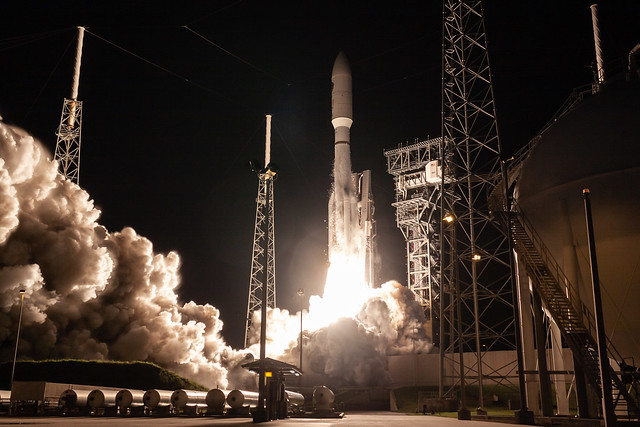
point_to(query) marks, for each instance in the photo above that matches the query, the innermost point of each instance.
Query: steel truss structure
(67, 152)
(417, 202)
(263, 254)
(476, 311)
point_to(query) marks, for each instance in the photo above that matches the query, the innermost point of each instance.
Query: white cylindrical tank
(99, 398)
(127, 398)
(155, 398)
(240, 398)
(182, 398)
(74, 398)
(594, 146)
(216, 398)
(323, 398)
(295, 401)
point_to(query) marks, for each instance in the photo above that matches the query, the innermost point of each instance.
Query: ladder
(574, 318)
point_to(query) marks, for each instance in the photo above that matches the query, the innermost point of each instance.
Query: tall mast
(263, 264)
(476, 299)
(67, 152)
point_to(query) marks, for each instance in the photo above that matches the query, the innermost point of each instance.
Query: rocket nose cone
(341, 65)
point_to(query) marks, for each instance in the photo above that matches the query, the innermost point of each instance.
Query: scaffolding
(417, 176)
(476, 312)
(67, 152)
(263, 261)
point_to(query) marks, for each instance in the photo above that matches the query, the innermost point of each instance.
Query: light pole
(300, 293)
(15, 354)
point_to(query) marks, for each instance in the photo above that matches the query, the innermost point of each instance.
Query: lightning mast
(476, 311)
(67, 152)
(263, 264)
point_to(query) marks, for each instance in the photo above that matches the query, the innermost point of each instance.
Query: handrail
(588, 318)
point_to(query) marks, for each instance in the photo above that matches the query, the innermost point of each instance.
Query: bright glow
(448, 218)
(476, 257)
(344, 291)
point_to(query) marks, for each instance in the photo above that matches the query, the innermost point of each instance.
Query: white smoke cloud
(349, 350)
(96, 294)
(91, 293)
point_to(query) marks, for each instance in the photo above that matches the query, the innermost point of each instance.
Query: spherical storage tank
(596, 146)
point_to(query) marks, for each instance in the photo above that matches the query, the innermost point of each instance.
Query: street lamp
(15, 354)
(300, 293)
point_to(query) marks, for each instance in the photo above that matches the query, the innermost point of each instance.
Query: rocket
(343, 213)
(351, 223)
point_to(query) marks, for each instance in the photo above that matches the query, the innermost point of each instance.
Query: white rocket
(351, 222)
(343, 213)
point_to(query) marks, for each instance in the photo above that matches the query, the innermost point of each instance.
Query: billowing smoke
(350, 350)
(95, 294)
(91, 293)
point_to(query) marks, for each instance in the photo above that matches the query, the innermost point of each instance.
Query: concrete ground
(367, 419)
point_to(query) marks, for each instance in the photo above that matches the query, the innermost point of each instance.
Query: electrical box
(434, 172)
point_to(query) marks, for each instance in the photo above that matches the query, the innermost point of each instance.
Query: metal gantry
(263, 253)
(67, 152)
(69, 132)
(476, 309)
(417, 178)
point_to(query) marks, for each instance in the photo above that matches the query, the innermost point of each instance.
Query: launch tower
(476, 309)
(67, 152)
(418, 179)
(263, 261)
(457, 255)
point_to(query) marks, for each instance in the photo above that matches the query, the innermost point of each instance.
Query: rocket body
(343, 204)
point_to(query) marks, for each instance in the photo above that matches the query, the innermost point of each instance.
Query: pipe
(596, 39)
(605, 368)
(267, 149)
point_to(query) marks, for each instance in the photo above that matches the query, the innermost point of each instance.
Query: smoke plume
(95, 294)
(91, 293)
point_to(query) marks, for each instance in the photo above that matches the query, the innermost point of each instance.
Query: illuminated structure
(350, 211)
(67, 152)
(263, 261)
(457, 254)
(476, 311)
(548, 224)
(418, 183)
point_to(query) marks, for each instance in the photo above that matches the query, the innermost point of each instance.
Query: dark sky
(171, 119)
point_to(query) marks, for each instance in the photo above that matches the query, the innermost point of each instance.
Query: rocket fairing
(343, 213)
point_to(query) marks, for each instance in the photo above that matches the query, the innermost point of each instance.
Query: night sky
(174, 97)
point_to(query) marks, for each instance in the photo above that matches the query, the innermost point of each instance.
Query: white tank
(182, 398)
(99, 398)
(154, 398)
(294, 400)
(127, 398)
(239, 398)
(323, 398)
(594, 146)
(216, 398)
(74, 398)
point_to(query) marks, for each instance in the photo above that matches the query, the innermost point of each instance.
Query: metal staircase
(575, 320)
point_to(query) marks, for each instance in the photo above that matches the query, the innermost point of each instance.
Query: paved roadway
(366, 419)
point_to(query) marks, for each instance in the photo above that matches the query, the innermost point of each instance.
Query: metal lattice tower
(67, 152)
(418, 184)
(263, 254)
(476, 312)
